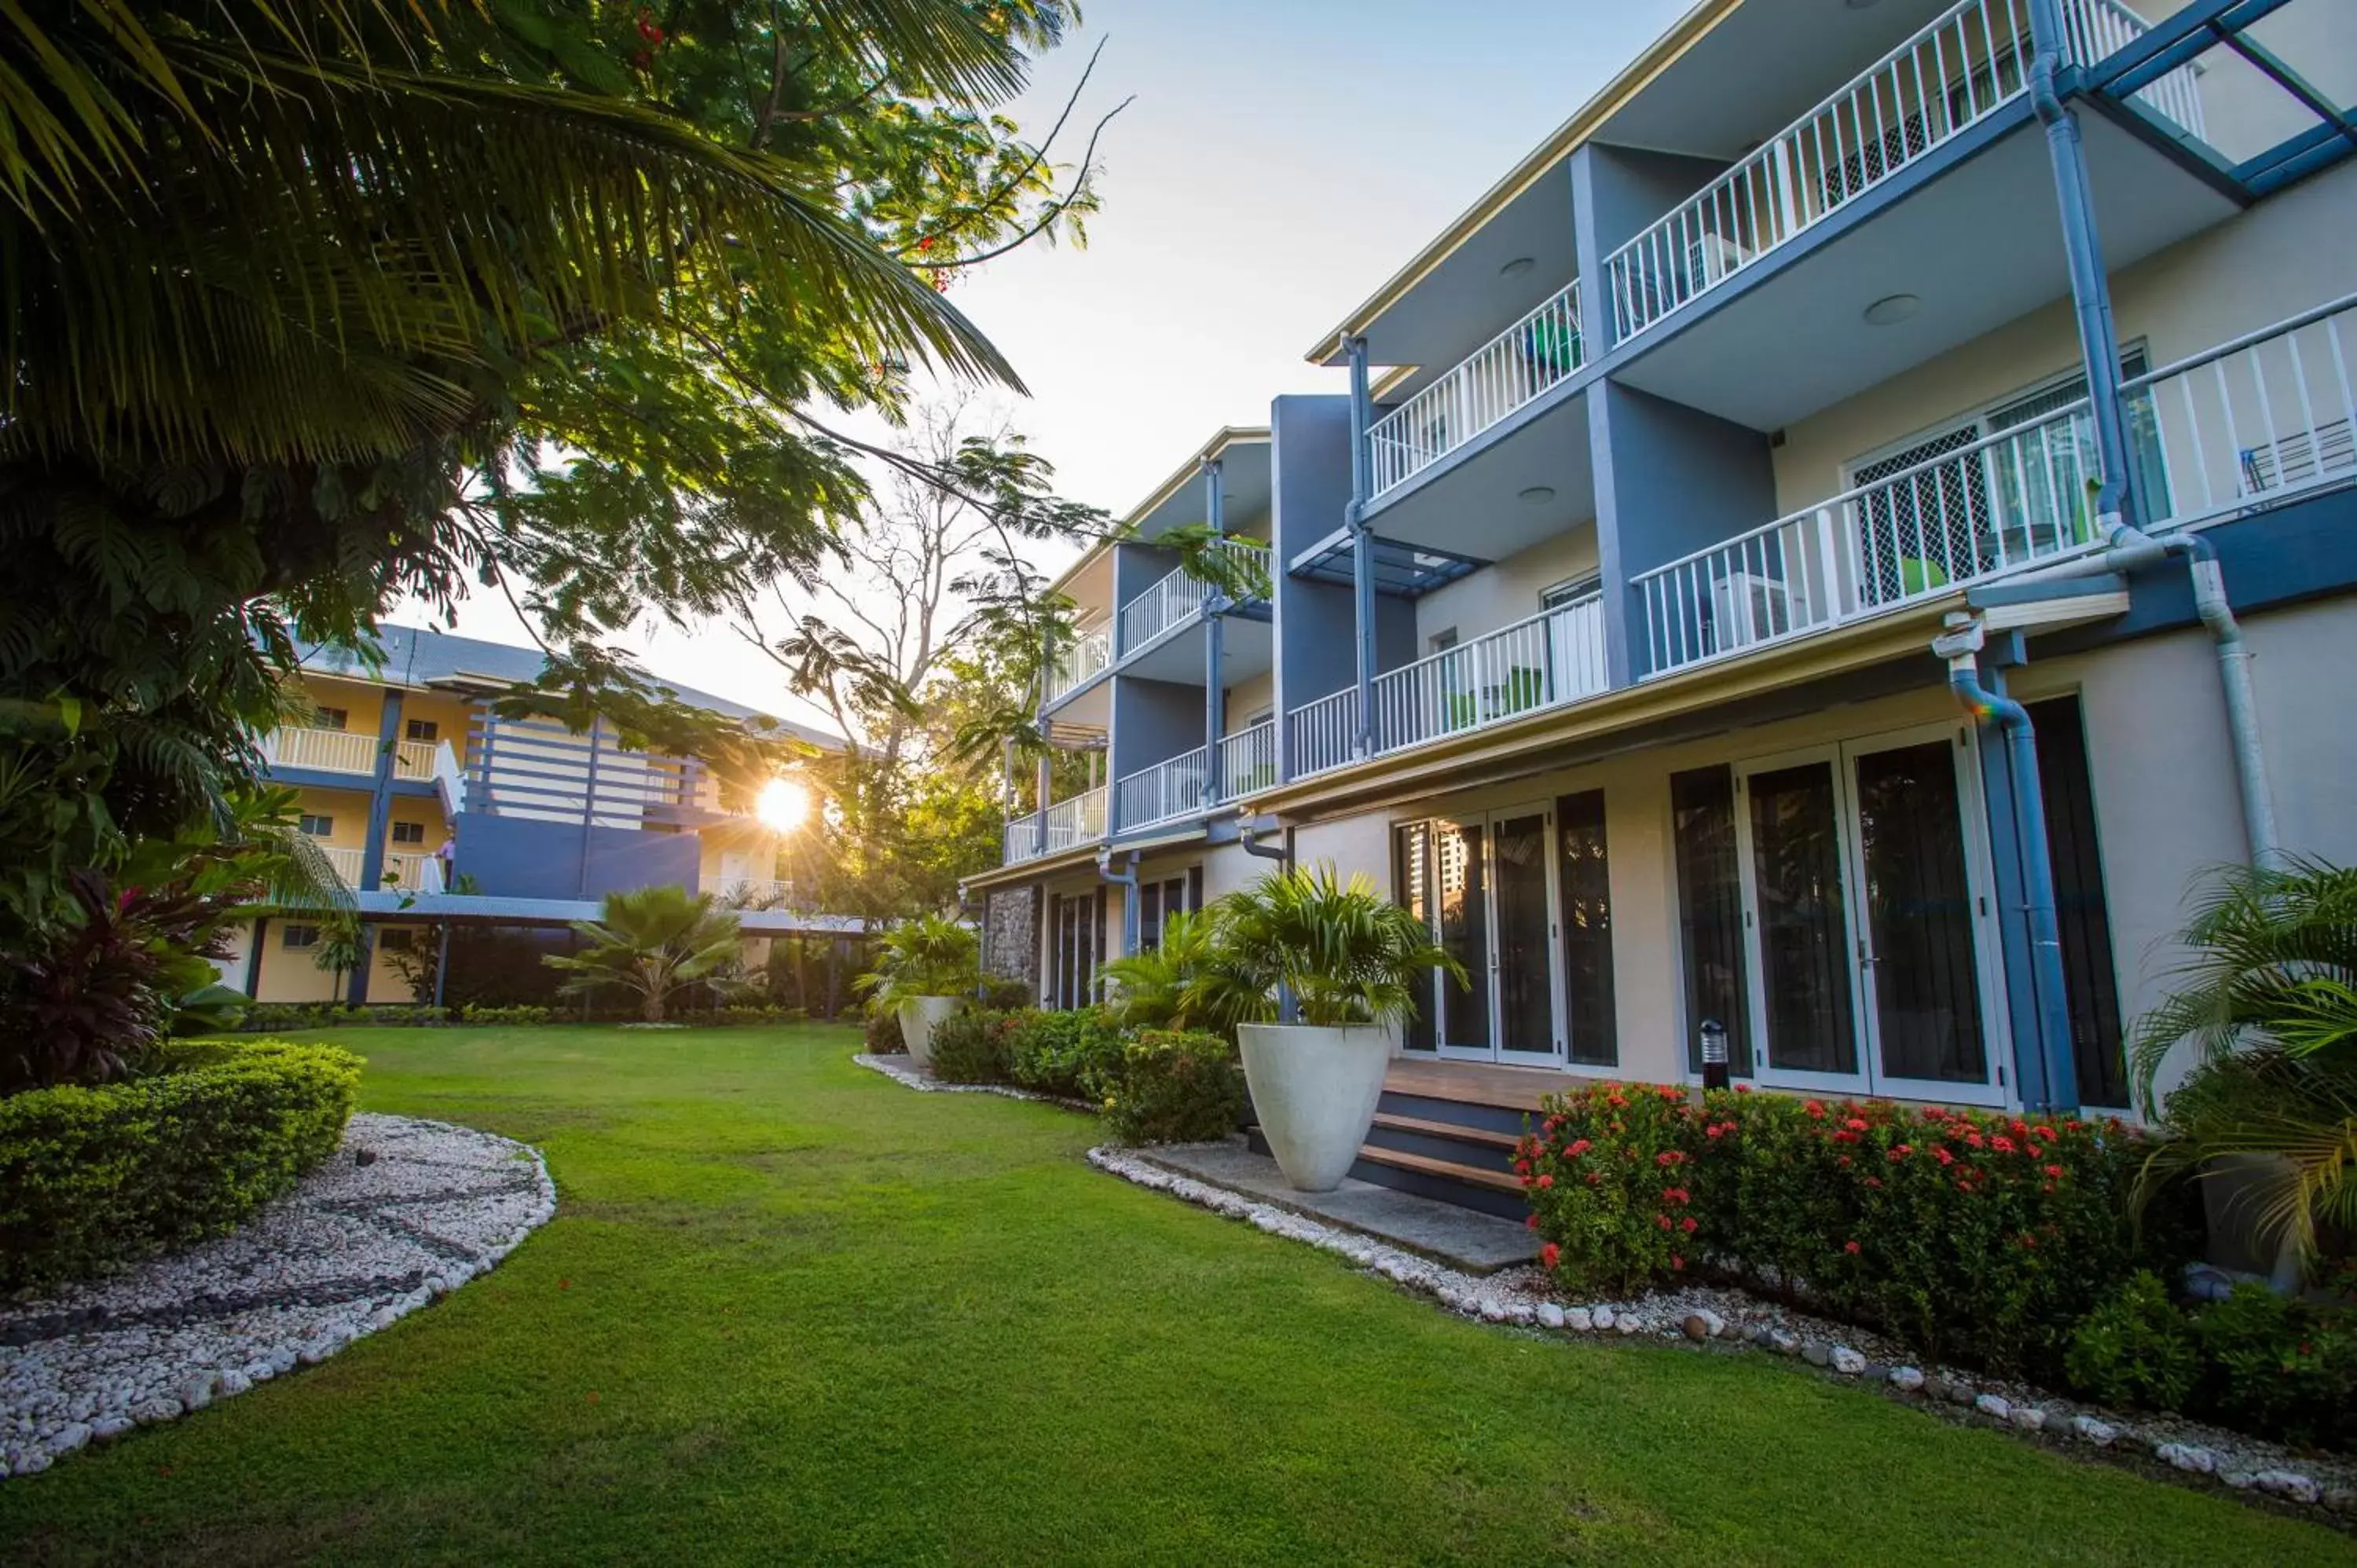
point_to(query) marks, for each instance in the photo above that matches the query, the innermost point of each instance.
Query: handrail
(1543, 346)
(2236, 345)
(1248, 760)
(1082, 660)
(1163, 792)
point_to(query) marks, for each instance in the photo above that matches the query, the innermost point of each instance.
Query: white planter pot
(1314, 1090)
(919, 1015)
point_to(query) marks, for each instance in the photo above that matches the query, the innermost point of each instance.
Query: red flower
(1713, 1131)
(1874, 1181)
(2001, 1143)
(2054, 1171)
(1844, 1136)
(1933, 1114)
(1524, 1167)
(1546, 1182)
(1576, 1147)
(1973, 1140)
(1898, 1151)
(1687, 1225)
(1944, 1157)
(1676, 1262)
(1742, 1088)
(1849, 1247)
(1530, 1222)
(1663, 1220)
(1550, 1254)
(1595, 1178)
(1843, 1162)
(1816, 1109)
(2042, 1132)
(1614, 1101)
(1856, 1124)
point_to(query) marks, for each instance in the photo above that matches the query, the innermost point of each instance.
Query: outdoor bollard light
(1713, 1054)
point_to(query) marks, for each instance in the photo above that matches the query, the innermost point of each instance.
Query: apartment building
(432, 807)
(1767, 569)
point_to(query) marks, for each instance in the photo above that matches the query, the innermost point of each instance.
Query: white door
(1866, 912)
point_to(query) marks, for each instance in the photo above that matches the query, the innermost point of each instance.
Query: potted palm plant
(1349, 960)
(927, 967)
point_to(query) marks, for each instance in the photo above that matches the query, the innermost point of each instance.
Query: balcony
(1080, 662)
(1555, 658)
(1165, 792)
(347, 751)
(1171, 602)
(404, 871)
(2238, 428)
(1503, 375)
(1949, 77)
(1070, 824)
(1248, 760)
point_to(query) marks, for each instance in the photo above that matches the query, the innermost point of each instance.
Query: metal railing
(1163, 792)
(2249, 423)
(1077, 822)
(1085, 657)
(1248, 760)
(1177, 597)
(2022, 495)
(1944, 78)
(1554, 657)
(1021, 840)
(2097, 29)
(1500, 376)
(328, 750)
(1323, 734)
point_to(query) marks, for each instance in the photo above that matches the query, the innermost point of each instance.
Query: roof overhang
(1247, 487)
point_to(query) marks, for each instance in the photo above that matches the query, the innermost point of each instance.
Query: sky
(1279, 162)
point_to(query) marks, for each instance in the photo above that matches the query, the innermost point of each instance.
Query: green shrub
(1177, 1086)
(880, 1035)
(93, 1178)
(975, 1045)
(2136, 1349)
(520, 1014)
(1003, 993)
(1074, 1055)
(1971, 1236)
(276, 1017)
(2280, 1368)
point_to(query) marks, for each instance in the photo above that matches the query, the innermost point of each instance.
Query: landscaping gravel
(405, 1212)
(1736, 1321)
(901, 1071)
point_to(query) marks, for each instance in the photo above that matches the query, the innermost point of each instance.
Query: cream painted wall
(346, 811)
(289, 976)
(1248, 697)
(363, 705)
(1507, 592)
(2288, 253)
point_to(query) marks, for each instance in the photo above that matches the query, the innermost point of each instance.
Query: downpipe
(2058, 1090)
(1131, 919)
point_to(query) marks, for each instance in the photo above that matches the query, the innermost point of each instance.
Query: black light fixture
(1713, 1054)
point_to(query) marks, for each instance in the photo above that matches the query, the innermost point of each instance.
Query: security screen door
(1493, 906)
(1866, 907)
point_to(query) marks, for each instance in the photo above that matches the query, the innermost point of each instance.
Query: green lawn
(790, 1311)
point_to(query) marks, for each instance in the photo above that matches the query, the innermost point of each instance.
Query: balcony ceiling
(1979, 247)
(1244, 467)
(1477, 507)
(1761, 70)
(1245, 651)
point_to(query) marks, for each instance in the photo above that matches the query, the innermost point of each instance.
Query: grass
(790, 1311)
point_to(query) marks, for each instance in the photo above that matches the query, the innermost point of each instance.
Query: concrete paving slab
(1473, 1242)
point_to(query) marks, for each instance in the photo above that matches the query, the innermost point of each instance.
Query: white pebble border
(898, 1069)
(354, 1248)
(2241, 1463)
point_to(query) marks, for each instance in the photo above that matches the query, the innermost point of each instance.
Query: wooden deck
(1475, 1083)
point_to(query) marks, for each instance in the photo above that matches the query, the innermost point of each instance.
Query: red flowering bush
(1609, 1176)
(1972, 1237)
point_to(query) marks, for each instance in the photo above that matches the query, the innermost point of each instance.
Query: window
(1587, 928)
(424, 729)
(331, 718)
(2088, 979)
(1710, 912)
(1571, 592)
(316, 827)
(397, 939)
(294, 938)
(1441, 642)
(409, 833)
(1158, 901)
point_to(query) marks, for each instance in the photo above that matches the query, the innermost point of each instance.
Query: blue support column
(1362, 552)
(1215, 714)
(2091, 292)
(380, 818)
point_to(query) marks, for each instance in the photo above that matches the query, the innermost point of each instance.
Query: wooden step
(1475, 1083)
(1457, 1131)
(1446, 1170)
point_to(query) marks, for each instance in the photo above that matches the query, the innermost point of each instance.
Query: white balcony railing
(1500, 376)
(415, 759)
(2022, 495)
(1021, 838)
(2098, 30)
(2248, 423)
(1947, 76)
(1077, 822)
(405, 872)
(1248, 761)
(1325, 733)
(1172, 601)
(344, 862)
(326, 750)
(1164, 792)
(1080, 660)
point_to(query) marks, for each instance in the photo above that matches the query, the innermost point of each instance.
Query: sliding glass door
(1867, 919)
(1488, 891)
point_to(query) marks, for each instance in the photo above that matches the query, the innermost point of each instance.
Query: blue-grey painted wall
(1309, 482)
(1615, 194)
(517, 858)
(1137, 567)
(1153, 721)
(1669, 481)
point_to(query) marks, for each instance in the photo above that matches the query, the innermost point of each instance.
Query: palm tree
(2268, 1000)
(1150, 990)
(930, 955)
(1347, 954)
(655, 941)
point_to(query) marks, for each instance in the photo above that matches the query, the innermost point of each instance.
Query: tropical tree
(2267, 1000)
(312, 307)
(930, 955)
(653, 943)
(1344, 952)
(1151, 989)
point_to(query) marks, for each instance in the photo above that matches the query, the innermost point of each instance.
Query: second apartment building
(1851, 414)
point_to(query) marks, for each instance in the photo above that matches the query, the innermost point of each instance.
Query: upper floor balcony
(403, 871)
(1949, 77)
(1080, 661)
(347, 751)
(1176, 600)
(1511, 368)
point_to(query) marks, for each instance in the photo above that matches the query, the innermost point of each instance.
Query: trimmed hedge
(269, 1017)
(94, 1178)
(1177, 1086)
(975, 1045)
(1074, 1055)
(1979, 1238)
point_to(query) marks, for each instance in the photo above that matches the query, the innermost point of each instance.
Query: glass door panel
(1518, 844)
(1922, 974)
(1801, 925)
(1461, 903)
(1412, 877)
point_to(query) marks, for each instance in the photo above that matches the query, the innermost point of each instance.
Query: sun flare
(781, 805)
